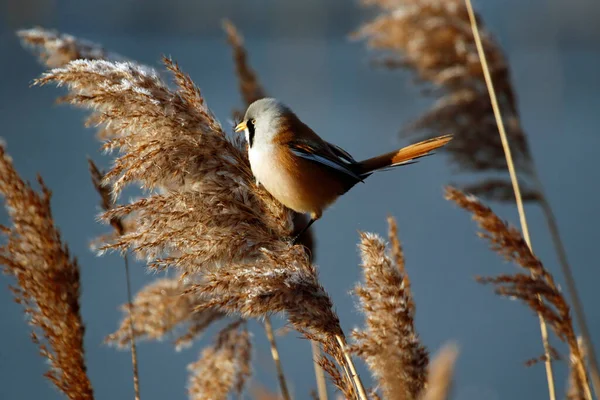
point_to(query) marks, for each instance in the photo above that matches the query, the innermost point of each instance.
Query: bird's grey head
(263, 120)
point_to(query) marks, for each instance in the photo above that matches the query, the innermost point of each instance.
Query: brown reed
(251, 90)
(250, 87)
(435, 39)
(55, 49)
(162, 308)
(203, 213)
(276, 359)
(537, 290)
(441, 371)
(47, 281)
(223, 368)
(389, 343)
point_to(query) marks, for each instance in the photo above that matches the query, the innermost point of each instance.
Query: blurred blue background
(301, 52)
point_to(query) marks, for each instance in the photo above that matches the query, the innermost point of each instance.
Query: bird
(303, 171)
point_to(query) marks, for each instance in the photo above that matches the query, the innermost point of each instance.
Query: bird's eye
(250, 126)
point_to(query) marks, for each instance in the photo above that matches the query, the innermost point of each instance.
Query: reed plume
(440, 374)
(537, 289)
(435, 39)
(47, 281)
(249, 85)
(223, 368)
(55, 49)
(251, 90)
(163, 308)
(202, 212)
(389, 343)
(574, 390)
(169, 140)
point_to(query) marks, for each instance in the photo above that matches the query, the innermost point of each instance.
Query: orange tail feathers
(404, 155)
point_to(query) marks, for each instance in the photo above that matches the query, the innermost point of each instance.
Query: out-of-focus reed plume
(223, 368)
(389, 342)
(56, 49)
(441, 371)
(434, 38)
(48, 281)
(162, 308)
(574, 390)
(537, 289)
(249, 85)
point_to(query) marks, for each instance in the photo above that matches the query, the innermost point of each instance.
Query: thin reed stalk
(275, 353)
(514, 180)
(319, 373)
(134, 359)
(108, 203)
(362, 394)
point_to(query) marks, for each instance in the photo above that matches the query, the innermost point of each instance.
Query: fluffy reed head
(389, 343)
(250, 87)
(161, 308)
(48, 282)
(441, 372)
(536, 288)
(434, 39)
(169, 140)
(203, 212)
(56, 49)
(223, 368)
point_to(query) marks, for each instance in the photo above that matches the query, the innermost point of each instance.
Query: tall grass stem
(515, 183)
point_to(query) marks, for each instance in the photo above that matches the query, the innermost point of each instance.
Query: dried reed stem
(134, 359)
(107, 204)
(319, 373)
(275, 353)
(362, 394)
(514, 180)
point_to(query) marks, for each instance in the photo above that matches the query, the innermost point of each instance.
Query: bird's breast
(301, 185)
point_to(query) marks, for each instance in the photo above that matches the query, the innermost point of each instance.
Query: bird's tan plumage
(303, 171)
(404, 154)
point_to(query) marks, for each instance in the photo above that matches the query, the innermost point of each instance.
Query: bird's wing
(341, 153)
(336, 159)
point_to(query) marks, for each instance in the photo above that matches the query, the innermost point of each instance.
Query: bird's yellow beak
(241, 126)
